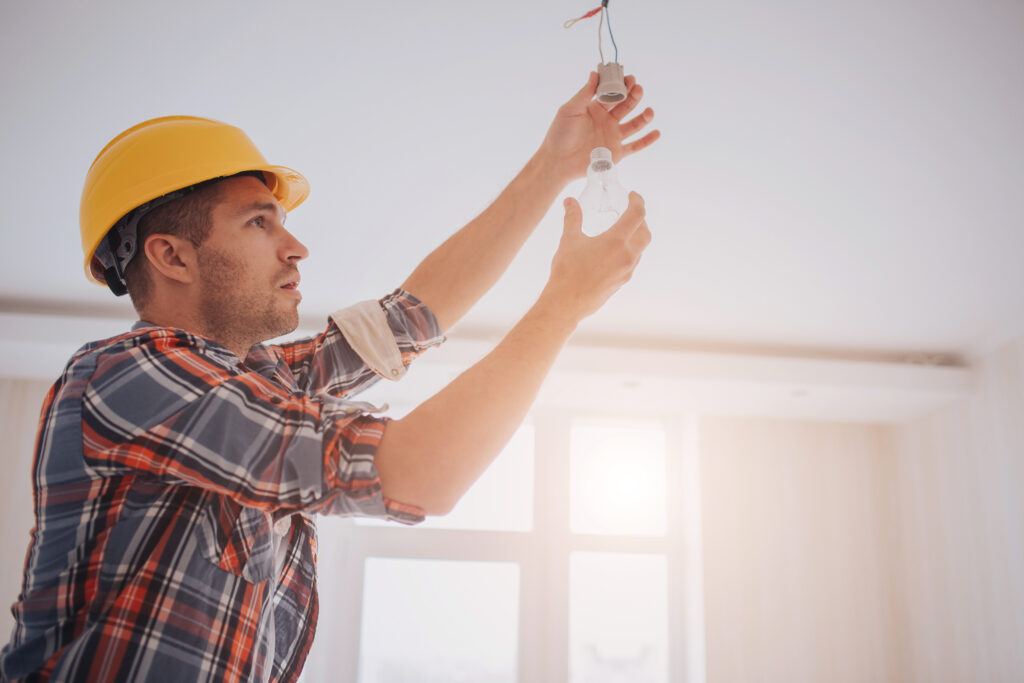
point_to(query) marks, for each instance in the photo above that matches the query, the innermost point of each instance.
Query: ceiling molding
(121, 310)
(590, 375)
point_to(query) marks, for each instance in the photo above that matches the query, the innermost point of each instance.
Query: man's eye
(257, 221)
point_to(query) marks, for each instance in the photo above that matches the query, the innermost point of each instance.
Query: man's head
(219, 258)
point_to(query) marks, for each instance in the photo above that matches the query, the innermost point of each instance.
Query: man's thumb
(586, 93)
(573, 217)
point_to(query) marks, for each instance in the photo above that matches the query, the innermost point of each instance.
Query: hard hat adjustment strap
(121, 243)
(113, 274)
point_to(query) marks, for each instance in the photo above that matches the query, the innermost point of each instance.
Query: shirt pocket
(238, 539)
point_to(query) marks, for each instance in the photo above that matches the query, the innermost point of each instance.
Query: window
(618, 479)
(556, 565)
(444, 621)
(618, 619)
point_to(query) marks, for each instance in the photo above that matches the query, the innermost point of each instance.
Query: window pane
(618, 618)
(434, 621)
(617, 479)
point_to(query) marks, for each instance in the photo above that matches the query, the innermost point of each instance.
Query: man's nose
(293, 249)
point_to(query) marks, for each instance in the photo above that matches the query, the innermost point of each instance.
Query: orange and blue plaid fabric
(175, 487)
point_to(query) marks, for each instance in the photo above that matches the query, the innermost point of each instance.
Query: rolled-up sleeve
(362, 343)
(389, 333)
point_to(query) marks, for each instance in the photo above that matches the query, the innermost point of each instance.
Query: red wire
(589, 14)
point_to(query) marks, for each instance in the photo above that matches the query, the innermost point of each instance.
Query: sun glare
(618, 479)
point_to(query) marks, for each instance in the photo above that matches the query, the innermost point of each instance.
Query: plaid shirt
(174, 487)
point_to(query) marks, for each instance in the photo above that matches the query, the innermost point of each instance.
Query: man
(178, 465)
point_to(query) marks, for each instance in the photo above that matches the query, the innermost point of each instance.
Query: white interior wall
(852, 552)
(20, 401)
(798, 531)
(960, 484)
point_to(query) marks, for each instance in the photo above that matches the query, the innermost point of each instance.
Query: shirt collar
(259, 359)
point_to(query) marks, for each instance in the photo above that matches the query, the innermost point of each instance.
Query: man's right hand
(586, 271)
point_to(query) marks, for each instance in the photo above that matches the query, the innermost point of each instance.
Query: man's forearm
(431, 456)
(460, 271)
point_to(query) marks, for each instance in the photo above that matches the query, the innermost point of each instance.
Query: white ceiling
(830, 176)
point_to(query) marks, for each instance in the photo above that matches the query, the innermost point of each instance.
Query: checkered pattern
(174, 490)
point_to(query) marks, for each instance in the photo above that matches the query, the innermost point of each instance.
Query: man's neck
(239, 347)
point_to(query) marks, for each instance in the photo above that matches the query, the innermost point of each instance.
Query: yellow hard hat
(161, 155)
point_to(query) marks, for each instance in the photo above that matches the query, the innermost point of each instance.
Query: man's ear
(172, 257)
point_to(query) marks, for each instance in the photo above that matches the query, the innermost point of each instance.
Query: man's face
(248, 265)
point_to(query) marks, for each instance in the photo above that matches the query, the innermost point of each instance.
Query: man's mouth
(292, 287)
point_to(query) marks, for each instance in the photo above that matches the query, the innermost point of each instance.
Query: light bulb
(604, 198)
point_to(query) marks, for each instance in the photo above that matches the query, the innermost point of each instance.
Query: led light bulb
(604, 198)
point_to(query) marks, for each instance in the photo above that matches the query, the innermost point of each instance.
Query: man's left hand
(583, 123)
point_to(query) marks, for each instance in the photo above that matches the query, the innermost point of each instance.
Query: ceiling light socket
(612, 87)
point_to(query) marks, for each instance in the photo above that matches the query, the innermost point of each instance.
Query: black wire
(608, 16)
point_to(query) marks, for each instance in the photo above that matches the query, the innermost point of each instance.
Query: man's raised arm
(455, 275)
(460, 271)
(430, 457)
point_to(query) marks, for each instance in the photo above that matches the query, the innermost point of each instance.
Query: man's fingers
(631, 218)
(636, 123)
(573, 222)
(634, 93)
(639, 240)
(645, 141)
(585, 94)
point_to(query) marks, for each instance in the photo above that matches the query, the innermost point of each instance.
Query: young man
(178, 465)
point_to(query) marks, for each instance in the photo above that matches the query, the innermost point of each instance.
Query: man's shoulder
(149, 345)
(146, 373)
(155, 337)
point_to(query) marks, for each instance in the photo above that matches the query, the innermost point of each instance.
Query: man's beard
(235, 311)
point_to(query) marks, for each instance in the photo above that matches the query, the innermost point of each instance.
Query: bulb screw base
(612, 87)
(601, 159)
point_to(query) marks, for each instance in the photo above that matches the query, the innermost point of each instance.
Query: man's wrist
(554, 310)
(548, 171)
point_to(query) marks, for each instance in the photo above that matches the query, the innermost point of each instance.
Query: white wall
(798, 531)
(845, 552)
(20, 401)
(961, 499)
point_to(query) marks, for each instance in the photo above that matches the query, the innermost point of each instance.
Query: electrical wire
(572, 22)
(605, 16)
(608, 14)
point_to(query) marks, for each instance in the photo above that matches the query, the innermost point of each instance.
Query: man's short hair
(189, 217)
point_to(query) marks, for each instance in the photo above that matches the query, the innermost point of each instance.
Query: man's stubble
(236, 309)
